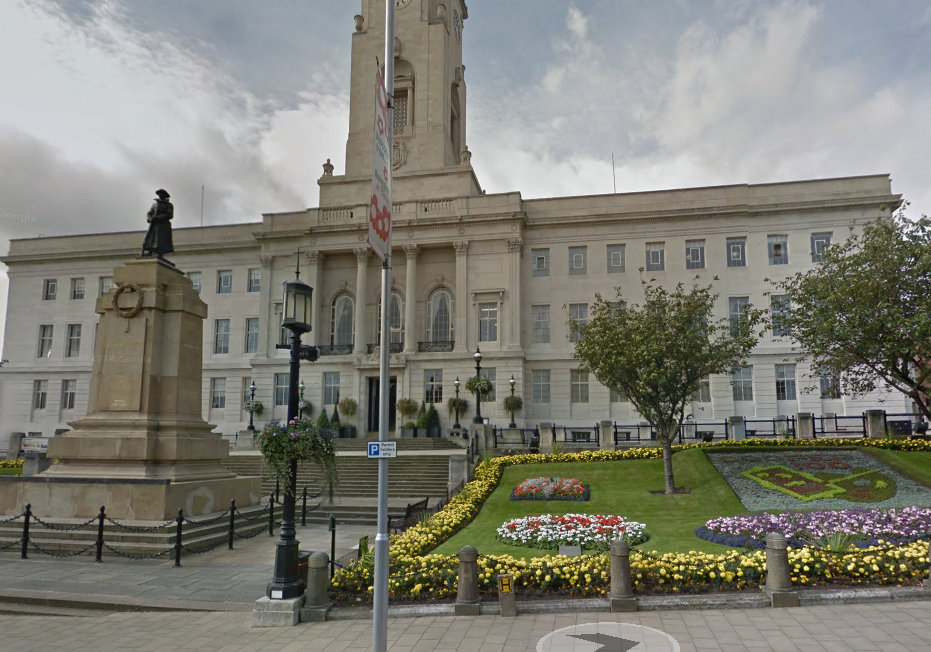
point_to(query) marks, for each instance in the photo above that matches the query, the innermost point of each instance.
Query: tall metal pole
(380, 587)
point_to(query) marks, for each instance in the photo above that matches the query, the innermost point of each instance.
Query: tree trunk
(667, 466)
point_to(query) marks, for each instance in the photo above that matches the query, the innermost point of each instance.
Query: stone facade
(470, 270)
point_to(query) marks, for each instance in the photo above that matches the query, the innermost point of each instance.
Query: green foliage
(479, 386)
(334, 420)
(422, 417)
(453, 402)
(433, 417)
(323, 421)
(406, 407)
(306, 407)
(348, 407)
(835, 542)
(513, 404)
(366, 555)
(864, 313)
(298, 440)
(657, 353)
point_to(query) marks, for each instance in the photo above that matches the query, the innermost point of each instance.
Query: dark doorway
(375, 397)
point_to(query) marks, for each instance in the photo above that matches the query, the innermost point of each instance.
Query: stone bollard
(778, 577)
(317, 601)
(507, 601)
(621, 595)
(468, 602)
(738, 428)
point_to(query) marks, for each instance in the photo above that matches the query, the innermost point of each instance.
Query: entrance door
(375, 398)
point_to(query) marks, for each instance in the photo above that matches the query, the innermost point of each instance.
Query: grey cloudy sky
(106, 100)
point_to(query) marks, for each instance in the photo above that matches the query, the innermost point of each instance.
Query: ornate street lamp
(456, 425)
(478, 397)
(298, 303)
(300, 405)
(252, 389)
(512, 382)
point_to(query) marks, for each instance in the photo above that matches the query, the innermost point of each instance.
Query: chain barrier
(60, 555)
(245, 537)
(56, 528)
(7, 546)
(212, 521)
(127, 555)
(139, 529)
(260, 515)
(12, 518)
(223, 542)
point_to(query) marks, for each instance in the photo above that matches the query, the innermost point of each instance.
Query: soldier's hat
(162, 193)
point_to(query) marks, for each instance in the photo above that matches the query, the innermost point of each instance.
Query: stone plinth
(142, 449)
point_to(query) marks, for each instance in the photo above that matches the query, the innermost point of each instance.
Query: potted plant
(323, 423)
(299, 439)
(306, 407)
(253, 407)
(513, 405)
(348, 408)
(421, 421)
(457, 407)
(335, 423)
(479, 386)
(433, 422)
(407, 408)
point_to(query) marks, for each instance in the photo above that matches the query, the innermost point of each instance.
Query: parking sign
(382, 450)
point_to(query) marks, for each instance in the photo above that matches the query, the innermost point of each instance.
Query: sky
(103, 101)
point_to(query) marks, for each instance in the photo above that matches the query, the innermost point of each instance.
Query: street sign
(37, 444)
(380, 207)
(382, 450)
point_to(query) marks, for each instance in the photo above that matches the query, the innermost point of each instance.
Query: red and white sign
(380, 208)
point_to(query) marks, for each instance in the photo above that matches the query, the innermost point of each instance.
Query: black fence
(578, 436)
(906, 424)
(524, 434)
(832, 425)
(774, 428)
(691, 431)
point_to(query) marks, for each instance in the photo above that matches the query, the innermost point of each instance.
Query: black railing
(414, 513)
(704, 431)
(627, 434)
(581, 436)
(396, 347)
(335, 349)
(777, 427)
(840, 426)
(436, 347)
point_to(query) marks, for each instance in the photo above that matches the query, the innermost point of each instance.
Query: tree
(657, 353)
(863, 315)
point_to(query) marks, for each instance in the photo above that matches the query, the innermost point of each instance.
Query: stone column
(410, 300)
(462, 295)
(317, 602)
(362, 254)
(737, 427)
(876, 424)
(468, 600)
(515, 254)
(267, 322)
(778, 576)
(458, 470)
(621, 594)
(315, 261)
(607, 435)
(546, 437)
(806, 425)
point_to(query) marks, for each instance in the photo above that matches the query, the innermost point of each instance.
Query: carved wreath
(135, 310)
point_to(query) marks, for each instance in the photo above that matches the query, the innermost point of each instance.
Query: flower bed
(825, 479)
(416, 575)
(548, 488)
(866, 526)
(11, 464)
(549, 531)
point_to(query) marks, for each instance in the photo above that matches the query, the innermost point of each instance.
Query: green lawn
(916, 465)
(11, 471)
(621, 488)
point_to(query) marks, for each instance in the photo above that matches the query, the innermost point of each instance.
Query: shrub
(422, 417)
(407, 408)
(323, 421)
(334, 420)
(297, 440)
(433, 417)
(513, 404)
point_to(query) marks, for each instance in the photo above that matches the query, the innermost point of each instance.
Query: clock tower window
(455, 129)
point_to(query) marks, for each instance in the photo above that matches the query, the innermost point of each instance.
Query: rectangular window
(578, 260)
(224, 281)
(433, 386)
(540, 316)
(331, 388)
(736, 252)
(281, 388)
(785, 382)
(541, 262)
(618, 397)
(737, 309)
(742, 382)
(780, 308)
(218, 393)
(830, 388)
(44, 349)
(252, 334)
(77, 288)
(221, 336)
(284, 336)
(73, 342)
(819, 244)
(492, 376)
(39, 394)
(778, 249)
(195, 280)
(541, 385)
(656, 256)
(703, 393)
(488, 322)
(578, 381)
(255, 280)
(695, 254)
(67, 394)
(578, 314)
(104, 285)
(49, 289)
(617, 258)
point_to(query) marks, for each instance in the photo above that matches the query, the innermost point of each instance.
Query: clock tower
(430, 156)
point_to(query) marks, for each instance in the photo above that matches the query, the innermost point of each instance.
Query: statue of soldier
(158, 239)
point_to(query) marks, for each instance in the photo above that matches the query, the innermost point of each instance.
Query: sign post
(379, 238)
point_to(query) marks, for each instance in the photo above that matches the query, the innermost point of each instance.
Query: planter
(408, 433)
(433, 432)
(348, 432)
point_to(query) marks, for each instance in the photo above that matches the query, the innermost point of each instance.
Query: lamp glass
(298, 304)
(478, 356)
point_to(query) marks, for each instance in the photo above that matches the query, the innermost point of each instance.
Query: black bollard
(332, 526)
(178, 538)
(100, 520)
(271, 515)
(232, 522)
(304, 508)
(28, 515)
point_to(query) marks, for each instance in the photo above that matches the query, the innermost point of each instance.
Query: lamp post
(478, 397)
(456, 425)
(512, 382)
(286, 584)
(300, 404)
(252, 389)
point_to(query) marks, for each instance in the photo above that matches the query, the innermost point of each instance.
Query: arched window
(395, 319)
(342, 325)
(455, 130)
(440, 316)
